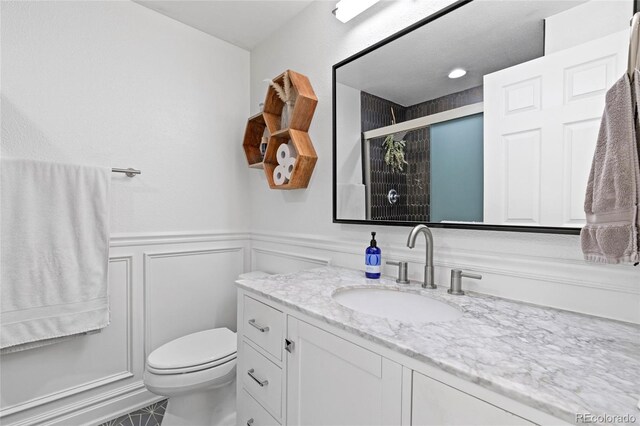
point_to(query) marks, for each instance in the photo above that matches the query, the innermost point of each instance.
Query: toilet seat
(193, 368)
(179, 384)
(197, 361)
(194, 352)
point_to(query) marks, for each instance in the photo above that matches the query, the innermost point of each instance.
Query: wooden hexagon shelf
(253, 133)
(269, 121)
(305, 158)
(304, 107)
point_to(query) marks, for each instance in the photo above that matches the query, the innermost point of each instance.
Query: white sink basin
(399, 305)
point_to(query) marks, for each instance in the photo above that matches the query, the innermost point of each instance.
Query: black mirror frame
(488, 227)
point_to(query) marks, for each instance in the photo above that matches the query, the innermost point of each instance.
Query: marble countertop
(556, 361)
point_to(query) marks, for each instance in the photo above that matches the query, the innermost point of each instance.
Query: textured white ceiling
(481, 37)
(243, 23)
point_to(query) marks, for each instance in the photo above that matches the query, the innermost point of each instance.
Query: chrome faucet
(428, 268)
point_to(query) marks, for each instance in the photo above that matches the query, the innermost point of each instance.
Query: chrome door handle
(262, 329)
(262, 383)
(250, 422)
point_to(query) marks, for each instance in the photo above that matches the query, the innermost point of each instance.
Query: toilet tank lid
(194, 349)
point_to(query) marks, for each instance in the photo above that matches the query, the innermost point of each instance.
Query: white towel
(54, 250)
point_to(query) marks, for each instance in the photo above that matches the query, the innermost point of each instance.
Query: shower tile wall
(413, 183)
(376, 113)
(418, 172)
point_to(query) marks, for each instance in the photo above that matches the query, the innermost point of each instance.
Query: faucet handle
(456, 280)
(464, 274)
(403, 271)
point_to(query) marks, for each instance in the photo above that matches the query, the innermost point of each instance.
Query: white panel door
(541, 124)
(331, 381)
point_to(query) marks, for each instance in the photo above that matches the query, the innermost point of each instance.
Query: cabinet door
(331, 381)
(435, 403)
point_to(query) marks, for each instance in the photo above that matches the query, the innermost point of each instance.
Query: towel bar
(129, 172)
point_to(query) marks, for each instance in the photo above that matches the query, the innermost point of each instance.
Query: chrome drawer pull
(262, 383)
(250, 422)
(263, 329)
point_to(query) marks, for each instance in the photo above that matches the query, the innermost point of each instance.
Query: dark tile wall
(418, 172)
(147, 416)
(376, 113)
(413, 183)
(445, 103)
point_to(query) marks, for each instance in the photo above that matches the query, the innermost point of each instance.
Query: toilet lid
(195, 349)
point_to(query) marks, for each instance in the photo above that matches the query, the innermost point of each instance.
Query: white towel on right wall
(55, 250)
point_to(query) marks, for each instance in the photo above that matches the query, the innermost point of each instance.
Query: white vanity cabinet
(260, 376)
(308, 373)
(434, 403)
(331, 381)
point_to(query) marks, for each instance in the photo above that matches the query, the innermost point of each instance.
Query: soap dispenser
(373, 258)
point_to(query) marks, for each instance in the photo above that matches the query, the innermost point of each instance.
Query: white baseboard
(93, 411)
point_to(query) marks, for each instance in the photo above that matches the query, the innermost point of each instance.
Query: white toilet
(197, 372)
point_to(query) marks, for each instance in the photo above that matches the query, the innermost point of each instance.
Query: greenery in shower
(394, 155)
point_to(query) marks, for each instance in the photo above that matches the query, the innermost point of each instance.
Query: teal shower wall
(457, 170)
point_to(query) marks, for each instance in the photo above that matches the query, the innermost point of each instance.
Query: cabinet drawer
(262, 379)
(263, 325)
(252, 414)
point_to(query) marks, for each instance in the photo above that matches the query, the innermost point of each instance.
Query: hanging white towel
(54, 250)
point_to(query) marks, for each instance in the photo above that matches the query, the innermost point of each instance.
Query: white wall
(540, 268)
(349, 130)
(589, 21)
(116, 84)
(351, 197)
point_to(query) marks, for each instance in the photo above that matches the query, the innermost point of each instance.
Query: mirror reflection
(486, 115)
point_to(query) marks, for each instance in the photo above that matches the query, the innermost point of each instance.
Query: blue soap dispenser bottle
(373, 259)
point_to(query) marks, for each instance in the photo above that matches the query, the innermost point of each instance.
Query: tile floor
(147, 416)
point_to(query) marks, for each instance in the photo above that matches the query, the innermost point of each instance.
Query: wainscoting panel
(98, 377)
(186, 283)
(280, 262)
(188, 291)
(32, 378)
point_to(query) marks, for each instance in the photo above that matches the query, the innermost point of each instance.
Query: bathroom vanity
(304, 358)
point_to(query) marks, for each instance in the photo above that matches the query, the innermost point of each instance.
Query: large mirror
(483, 116)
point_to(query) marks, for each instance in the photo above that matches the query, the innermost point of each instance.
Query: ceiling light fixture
(457, 73)
(348, 9)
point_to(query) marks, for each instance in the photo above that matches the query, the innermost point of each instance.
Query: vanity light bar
(348, 9)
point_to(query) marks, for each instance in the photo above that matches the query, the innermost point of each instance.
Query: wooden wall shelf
(305, 104)
(270, 119)
(252, 138)
(305, 158)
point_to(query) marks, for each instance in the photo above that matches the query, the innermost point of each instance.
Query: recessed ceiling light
(457, 73)
(348, 9)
